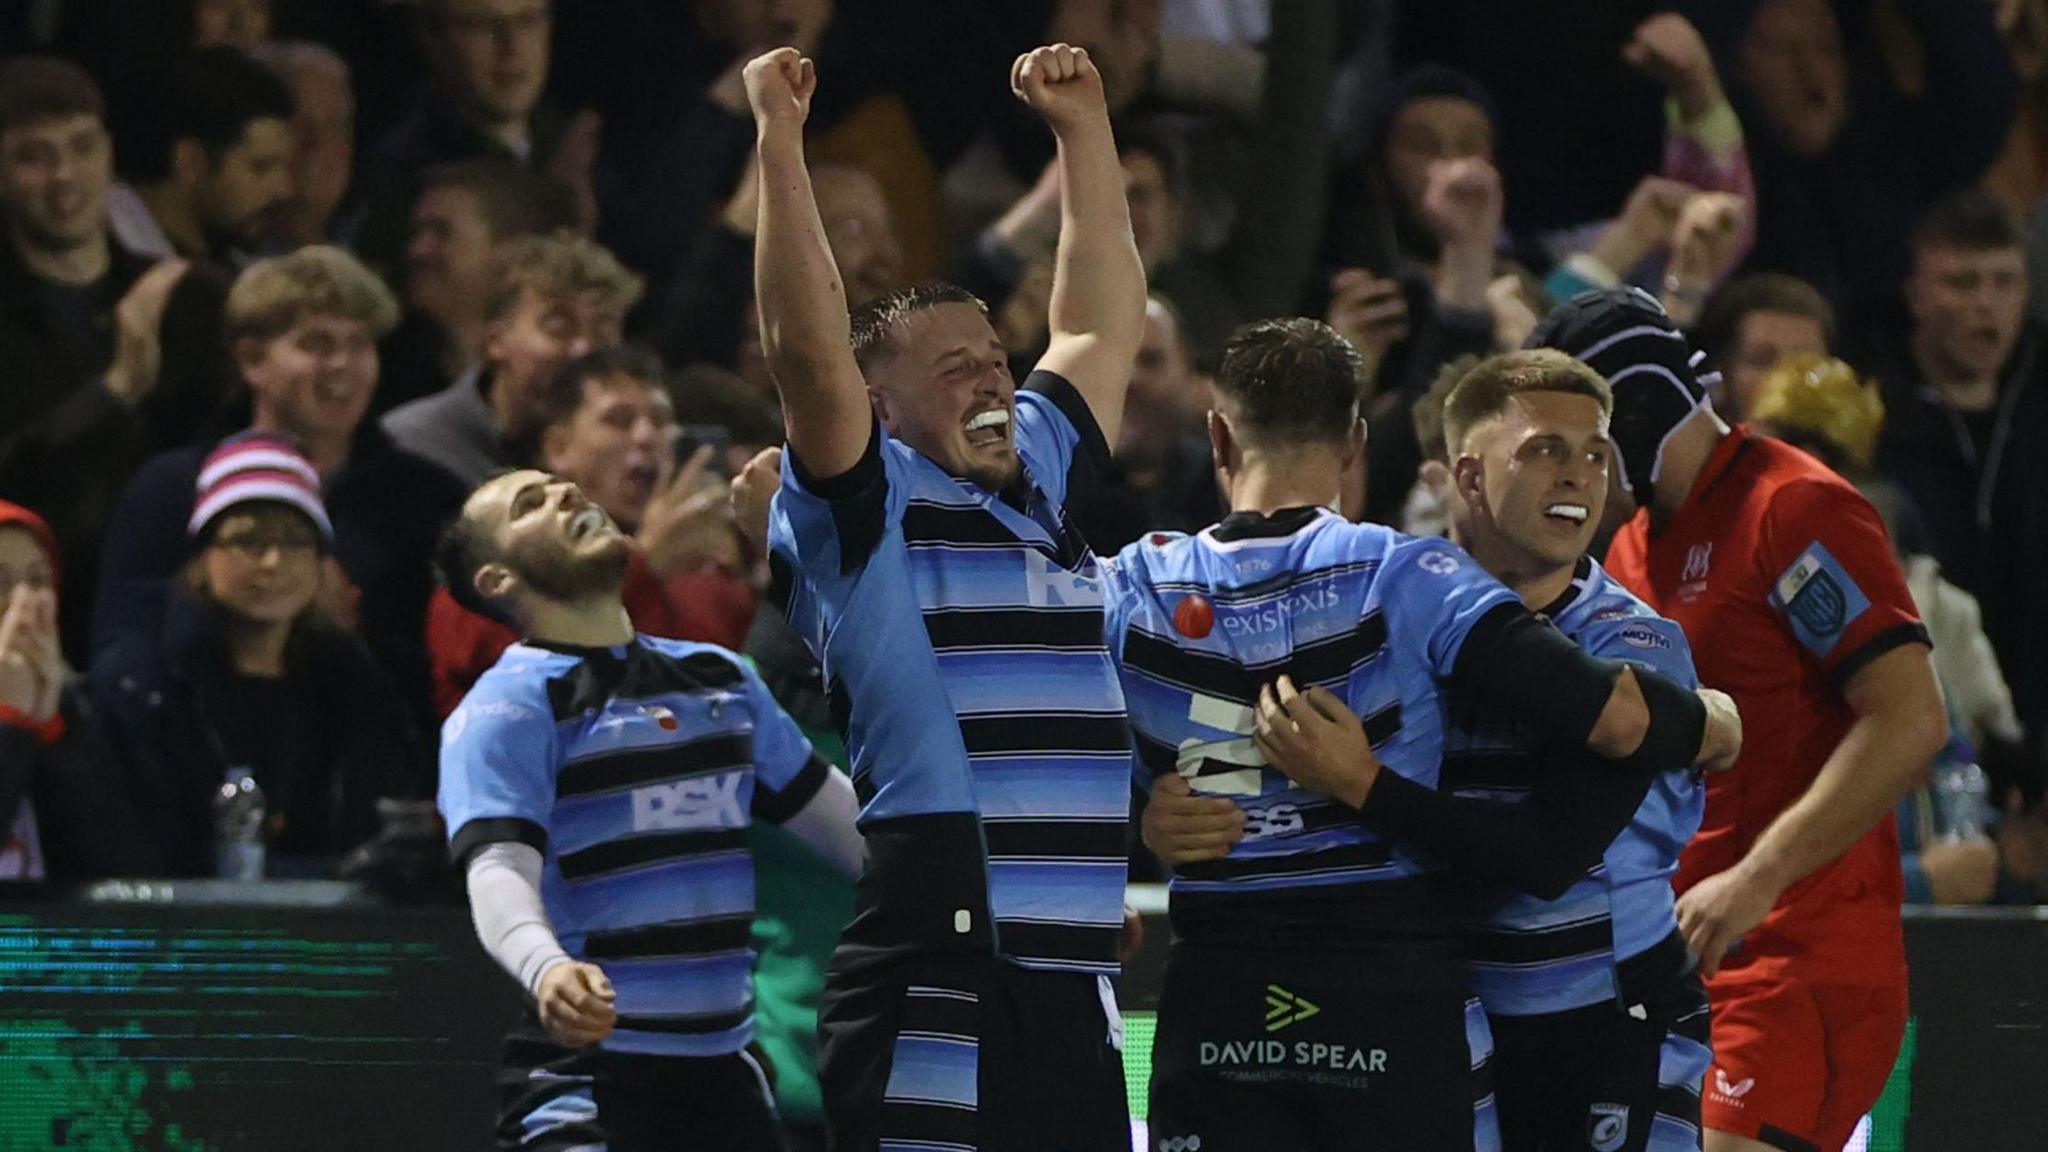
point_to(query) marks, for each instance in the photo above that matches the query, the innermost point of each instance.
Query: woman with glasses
(251, 678)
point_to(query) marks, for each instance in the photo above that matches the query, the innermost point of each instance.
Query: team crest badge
(1607, 1126)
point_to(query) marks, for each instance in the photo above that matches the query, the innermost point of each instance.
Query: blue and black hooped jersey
(1199, 623)
(1531, 956)
(960, 635)
(636, 772)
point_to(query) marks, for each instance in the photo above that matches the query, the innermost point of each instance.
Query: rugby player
(922, 535)
(1782, 574)
(1315, 996)
(598, 787)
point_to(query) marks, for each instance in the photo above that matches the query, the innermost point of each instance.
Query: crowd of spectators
(280, 281)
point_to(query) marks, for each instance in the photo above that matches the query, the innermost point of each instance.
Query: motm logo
(1284, 1008)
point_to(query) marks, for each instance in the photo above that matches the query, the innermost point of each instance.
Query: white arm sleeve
(825, 822)
(511, 920)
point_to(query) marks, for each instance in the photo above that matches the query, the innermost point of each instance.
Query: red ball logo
(1193, 617)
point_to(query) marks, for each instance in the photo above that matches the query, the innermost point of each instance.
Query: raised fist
(1669, 49)
(779, 86)
(1061, 84)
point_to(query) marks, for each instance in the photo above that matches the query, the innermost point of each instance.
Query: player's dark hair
(1720, 321)
(1290, 380)
(1970, 219)
(1484, 392)
(874, 323)
(463, 548)
(562, 396)
(34, 88)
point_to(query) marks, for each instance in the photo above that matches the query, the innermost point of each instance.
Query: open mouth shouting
(587, 523)
(989, 428)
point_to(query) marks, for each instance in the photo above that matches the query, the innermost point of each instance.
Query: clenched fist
(753, 493)
(1061, 84)
(576, 1004)
(779, 86)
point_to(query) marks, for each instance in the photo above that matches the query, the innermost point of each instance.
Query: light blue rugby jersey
(636, 772)
(1377, 617)
(959, 631)
(1531, 956)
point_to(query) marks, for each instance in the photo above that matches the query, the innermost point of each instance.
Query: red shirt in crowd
(708, 605)
(1784, 579)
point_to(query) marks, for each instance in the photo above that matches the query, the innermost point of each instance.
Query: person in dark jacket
(302, 331)
(1967, 397)
(62, 814)
(61, 278)
(489, 62)
(248, 674)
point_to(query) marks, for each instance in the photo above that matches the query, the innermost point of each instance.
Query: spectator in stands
(1262, 265)
(1968, 397)
(324, 141)
(467, 208)
(707, 312)
(1417, 237)
(78, 404)
(60, 272)
(1851, 144)
(215, 183)
(302, 331)
(1160, 475)
(489, 61)
(1751, 324)
(554, 298)
(62, 815)
(611, 431)
(247, 672)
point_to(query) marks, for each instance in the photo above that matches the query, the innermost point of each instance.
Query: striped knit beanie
(257, 466)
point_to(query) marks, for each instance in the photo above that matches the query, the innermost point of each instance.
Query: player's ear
(1468, 476)
(1222, 443)
(1354, 443)
(881, 406)
(494, 581)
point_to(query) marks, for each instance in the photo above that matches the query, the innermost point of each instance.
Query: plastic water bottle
(238, 810)
(1962, 801)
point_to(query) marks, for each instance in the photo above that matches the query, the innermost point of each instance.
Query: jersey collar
(1284, 522)
(1582, 579)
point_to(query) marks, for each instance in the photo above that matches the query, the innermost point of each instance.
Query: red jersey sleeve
(1834, 578)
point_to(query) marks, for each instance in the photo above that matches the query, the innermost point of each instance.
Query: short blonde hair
(270, 296)
(564, 266)
(1483, 392)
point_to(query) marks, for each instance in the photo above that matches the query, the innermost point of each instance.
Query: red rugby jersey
(1785, 582)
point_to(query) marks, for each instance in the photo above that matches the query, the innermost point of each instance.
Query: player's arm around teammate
(1317, 742)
